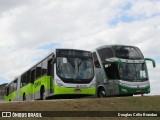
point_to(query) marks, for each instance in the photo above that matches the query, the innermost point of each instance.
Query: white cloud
(6, 5)
(144, 8)
(27, 26)
(154, 84)
(58, 21)
(154, 78)
(18, 61)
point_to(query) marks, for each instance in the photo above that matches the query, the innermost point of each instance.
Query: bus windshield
(127, 52)
(133, 71)
(75, 68)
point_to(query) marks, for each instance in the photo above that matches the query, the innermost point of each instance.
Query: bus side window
(105, 53)
(15, 85)
(28, 77)
(7, 91)
(44, 67)
(11, 87)
(49, 67)
(24, 79)
(97, 65)
(38, 70)
(96, 61)
(33, 76)
(112, 71)
(50, 71)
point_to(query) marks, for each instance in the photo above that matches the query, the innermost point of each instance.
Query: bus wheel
(101, 93)
(24, 97)
(43, 94)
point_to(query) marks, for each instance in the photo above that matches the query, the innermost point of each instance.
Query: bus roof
(104, 46)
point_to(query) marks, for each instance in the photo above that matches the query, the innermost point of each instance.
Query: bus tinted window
(38, 70)
(33, 75)
(50, 67)
(111, 70)
(15, 85)
(105, 53)
(24, 79)
(96, 61)
(28, 77)
(7, 91)
(78, 53)
(95, 56)
(11, 88)
(44, 67)
(127, 52)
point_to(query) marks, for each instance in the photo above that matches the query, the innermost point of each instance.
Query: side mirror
(153, 62)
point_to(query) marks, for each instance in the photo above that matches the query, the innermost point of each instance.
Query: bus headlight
(59, 83)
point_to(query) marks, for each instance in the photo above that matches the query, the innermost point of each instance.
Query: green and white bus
(120, 71)
(65, 72)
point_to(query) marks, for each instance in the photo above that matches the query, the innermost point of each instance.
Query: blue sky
(30, 30)
(123, 17)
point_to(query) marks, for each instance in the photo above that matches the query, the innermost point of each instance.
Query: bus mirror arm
(119, 62)
(153, 62)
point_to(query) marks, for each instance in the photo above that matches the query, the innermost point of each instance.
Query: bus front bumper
(130, 90)
(81, 91)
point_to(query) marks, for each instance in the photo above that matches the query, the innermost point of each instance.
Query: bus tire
(24, 97)
(43, 94)
(101, 92)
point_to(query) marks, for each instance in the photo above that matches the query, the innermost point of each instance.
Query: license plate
(77, 90)
(138, 91)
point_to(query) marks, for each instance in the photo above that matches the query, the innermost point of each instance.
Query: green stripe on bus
(128, 90)
(28, 89)
(63, 90)
(11, 96)
(47, 81)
